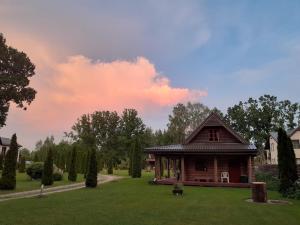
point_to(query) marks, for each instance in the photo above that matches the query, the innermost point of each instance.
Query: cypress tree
(8, 180)
(47, 178)
(109, 166)
(91, 177)
(292, 165)
(22, 164)
(136, 160)
(1, 161)
(72, 170)
(87, 162)
(287, 169)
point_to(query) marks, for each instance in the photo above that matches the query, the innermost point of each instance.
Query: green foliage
(72, 169)
(47, 178)
(91, 177)
(287, 167)
(131, 126)
(8, 179)
(35, 170)
(22, 164)
(57, 176)
(15, 71)
(254, 119)
(136, 159)
(271, 180)
(184, 119)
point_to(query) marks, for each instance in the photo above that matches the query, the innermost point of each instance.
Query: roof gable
(214, 120)
(292, 132)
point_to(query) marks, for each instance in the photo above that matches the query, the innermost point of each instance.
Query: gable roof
(291, 132)
(216, 117)
(243, 147)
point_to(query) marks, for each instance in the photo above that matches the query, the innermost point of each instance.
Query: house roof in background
(274, 134)
(4, 141)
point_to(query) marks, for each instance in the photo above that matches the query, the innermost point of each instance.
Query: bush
(294, 191)
(35, 170)
(57, 176)
(270, 179)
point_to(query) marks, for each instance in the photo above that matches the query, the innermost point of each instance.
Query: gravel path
(47, 191)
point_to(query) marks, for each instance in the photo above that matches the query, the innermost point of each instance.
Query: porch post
(168, 167)
(156, 165)
(249, 169)
(182, 169)
(215, 169)
(160, 167)
(174, 167)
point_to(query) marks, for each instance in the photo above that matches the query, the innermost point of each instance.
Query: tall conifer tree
(8, 179)
(91, 177)
(72, 170)
(136, 159)
(47, 178)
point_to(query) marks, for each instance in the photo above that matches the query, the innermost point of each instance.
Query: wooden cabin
(209, 153)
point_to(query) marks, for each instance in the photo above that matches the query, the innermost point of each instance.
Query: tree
(1, 161)
(254, 119)
(91, 177)
(72, 169)
(184, 119)
(8, 179)
(22, 164)
(106, 126)
(15, 71)
(131, 126)
(47, 178)
(136, 159)
(287, 169)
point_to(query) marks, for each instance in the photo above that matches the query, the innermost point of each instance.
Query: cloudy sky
(149, 55)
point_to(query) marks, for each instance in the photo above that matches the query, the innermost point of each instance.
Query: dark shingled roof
(204, 148)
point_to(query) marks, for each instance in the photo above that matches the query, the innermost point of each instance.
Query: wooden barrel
(259, 192)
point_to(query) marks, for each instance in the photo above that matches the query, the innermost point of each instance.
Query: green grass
(135, 202)
(24, 183)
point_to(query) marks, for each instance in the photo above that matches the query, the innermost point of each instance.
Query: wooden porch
(205, 170)
(171, 181)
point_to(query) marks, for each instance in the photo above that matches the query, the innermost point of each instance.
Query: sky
(148, 55)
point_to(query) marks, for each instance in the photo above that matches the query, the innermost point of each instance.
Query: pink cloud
(80, 85)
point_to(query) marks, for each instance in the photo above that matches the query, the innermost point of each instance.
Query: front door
(234, 171)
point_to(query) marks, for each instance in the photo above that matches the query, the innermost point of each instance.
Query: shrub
(35, 170)
(271, 180)
(57, 176)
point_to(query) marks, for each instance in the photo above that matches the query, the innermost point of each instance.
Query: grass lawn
(135, 202)
(25, 184)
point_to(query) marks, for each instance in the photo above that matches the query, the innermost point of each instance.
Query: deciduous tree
(15, 71)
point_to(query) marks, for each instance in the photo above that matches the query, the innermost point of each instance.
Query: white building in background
(272, 152)
(4, 145)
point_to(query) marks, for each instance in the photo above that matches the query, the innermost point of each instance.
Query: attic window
(213, 135)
